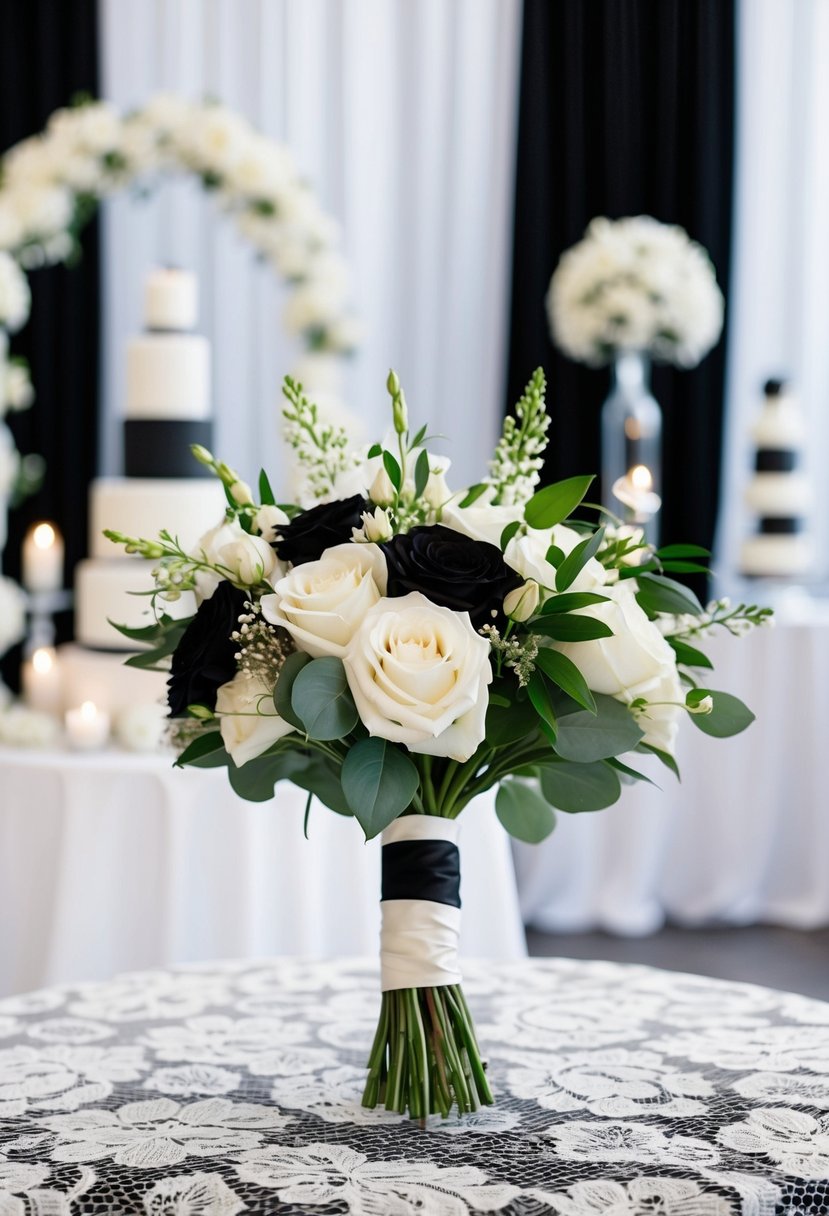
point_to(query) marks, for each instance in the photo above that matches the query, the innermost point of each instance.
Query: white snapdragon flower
(323, 603)
(419, 675)
(248, 722)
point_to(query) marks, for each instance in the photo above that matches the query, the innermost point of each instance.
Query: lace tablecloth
(211, 1091)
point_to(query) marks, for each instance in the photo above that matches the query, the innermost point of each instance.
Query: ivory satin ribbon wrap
(419, 936)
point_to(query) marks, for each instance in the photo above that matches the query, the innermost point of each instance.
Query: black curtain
(48, 55)
(626, 108)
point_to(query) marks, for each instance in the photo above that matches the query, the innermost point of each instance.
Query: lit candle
(635, 491)
(41, 678)
(87, 727)
(43, 558)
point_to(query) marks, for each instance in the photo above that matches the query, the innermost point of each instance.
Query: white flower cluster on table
(635, 284)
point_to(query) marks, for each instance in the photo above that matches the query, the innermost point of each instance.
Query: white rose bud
(381, 491)
(248, 721)
(522, 603)
(241, 493)
(207, 550)
(437, 492)
(267, 521)
(704, 706)
(250, 559)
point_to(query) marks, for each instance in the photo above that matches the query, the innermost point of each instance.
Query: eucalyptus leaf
(320, 778)
(322, 700)
(554, 503)
(255, 781)
(289, 671)
(523, 812)
(539, 695)
(379, 781)
(611, 731)
(632, 774)
(729, 716)
(508, 724)
(665, 757)
(574, 788)
(202, 746)
(564, 673)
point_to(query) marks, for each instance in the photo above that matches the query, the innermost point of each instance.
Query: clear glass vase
(632, 445)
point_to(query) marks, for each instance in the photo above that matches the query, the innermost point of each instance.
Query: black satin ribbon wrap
(160, 447)
(774, 525)
(775, 460)
(422, 869)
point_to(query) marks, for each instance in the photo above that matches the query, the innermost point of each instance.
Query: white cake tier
(780, 425)
(779, 494)
(776, 556)
(92, 675)
(171, 299)
(103, 590)
(168, 376)
(142, 507)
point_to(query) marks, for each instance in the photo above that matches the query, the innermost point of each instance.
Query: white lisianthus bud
(250, 559)
(400, 415)
(705, 706)
(267, 521)
(376, 527)
(522, 603)
(437, 492)
(241, 493)
(381, 491)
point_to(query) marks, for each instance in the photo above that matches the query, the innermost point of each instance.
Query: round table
(214, 1090)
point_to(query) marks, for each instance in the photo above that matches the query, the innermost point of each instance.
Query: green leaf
(684, 568)
(419, 437)
(611, 731)
(393, 469)
(523, 812)
(568, 628)
(671, 551)
(473, 494)
(164, 628)
(577, 559)
(571, 600)
(266, 495)
(321, 779)
(633, 773)
(321, 698)
(421, 472)
(689, 656)
(508, 533)
(255, 780)
(564, 673)
(729, 716)
(554, 556)
(289, 671)
(374, 450)
(508, 725)
(659, 594)
(574, 788)
(554, 503)
(202, 746)
(539, 695)
(665, 757)
(379, 781)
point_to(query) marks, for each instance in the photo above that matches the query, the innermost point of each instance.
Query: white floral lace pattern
(217, 1090)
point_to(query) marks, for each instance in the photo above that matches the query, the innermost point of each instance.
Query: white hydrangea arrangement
(635, 285)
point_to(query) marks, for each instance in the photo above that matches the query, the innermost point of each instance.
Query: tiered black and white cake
(168, 408)
(779, 492)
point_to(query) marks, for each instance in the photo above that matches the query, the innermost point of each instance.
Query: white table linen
(118, 861)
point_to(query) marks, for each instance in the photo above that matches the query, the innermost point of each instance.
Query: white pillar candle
(87, 727)
(43, 558)
(635, 491)
(41, 678)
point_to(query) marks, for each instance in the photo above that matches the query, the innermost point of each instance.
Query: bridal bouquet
(635, 285)
(396, 649)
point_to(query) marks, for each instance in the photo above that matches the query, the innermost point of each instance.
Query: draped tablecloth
(216, 1090)
(115, 861)
(743, 838)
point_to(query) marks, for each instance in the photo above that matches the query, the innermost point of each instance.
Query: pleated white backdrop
(402, 113)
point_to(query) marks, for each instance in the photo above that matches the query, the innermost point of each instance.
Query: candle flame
(43, 660)
(89, 711)
(640, 476)
(44, 536)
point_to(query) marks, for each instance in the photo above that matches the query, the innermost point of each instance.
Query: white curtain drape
(402, 114)
(779, 300)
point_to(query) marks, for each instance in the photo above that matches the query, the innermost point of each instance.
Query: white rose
(528, 555)
(247, 719)
(635, 662)
(268, 520)
(322, 603)
(250, 559)
(207, 550)
(481, 522)
(419, 675)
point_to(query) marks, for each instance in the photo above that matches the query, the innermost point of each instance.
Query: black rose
(204, 658)
(308, 535)
(450, 569)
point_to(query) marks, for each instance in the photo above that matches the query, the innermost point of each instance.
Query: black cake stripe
(775, 460)
(422, 869)
(160, 447)
(780, 525)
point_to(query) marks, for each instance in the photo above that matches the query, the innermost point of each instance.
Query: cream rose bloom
(248, 722)
(419, 675)
(635, 662)
(528, 555)
(481, 522)
(207, 549)
(250, 559)
(322, 604)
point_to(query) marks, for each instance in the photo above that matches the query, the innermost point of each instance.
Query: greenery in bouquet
(396, 649)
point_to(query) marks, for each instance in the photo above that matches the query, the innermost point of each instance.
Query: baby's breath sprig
(262, 648)
(519, 653)
(514, 470)
(321, 448)
(739, 621)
